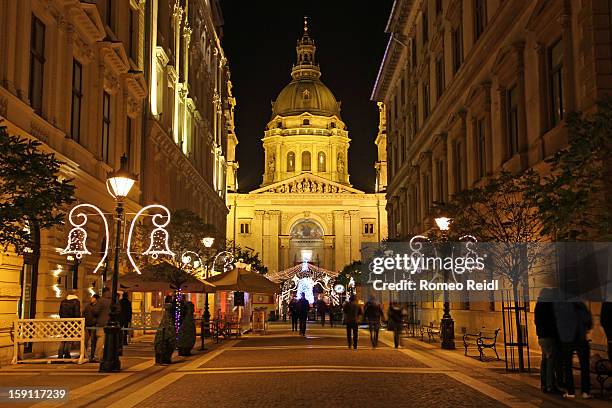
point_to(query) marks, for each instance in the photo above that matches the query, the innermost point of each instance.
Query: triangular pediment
(307, 183)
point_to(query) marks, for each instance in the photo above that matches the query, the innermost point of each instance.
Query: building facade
(306, 208)
(97, 80)
(475, 87)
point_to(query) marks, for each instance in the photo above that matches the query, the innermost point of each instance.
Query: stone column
(273, 246)
(328, 252)
(284, 249)
(339, 258)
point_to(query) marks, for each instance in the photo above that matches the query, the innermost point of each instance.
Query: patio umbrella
(243, 280)
(150, 282)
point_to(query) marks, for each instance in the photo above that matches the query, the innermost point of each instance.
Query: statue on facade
(340, 163)
(272, 164)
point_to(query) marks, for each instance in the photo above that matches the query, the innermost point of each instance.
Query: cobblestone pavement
(283, 369)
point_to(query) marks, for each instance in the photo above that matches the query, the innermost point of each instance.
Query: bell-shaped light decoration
(159, 244)
(76, 243)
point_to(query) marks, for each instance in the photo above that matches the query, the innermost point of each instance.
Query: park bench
(602, 368)
(481, 340)
(432, 330)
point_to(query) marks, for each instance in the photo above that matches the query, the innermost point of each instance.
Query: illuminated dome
(306, 92)
(306, 95)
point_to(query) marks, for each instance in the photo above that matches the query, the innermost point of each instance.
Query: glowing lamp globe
(443, 223)
(121, 181)
(208, 241)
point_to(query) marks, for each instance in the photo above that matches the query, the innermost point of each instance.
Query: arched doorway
(306, 242)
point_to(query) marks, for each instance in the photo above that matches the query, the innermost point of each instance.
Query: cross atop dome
(306, 65)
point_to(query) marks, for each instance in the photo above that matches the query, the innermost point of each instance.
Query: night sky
(259, 41)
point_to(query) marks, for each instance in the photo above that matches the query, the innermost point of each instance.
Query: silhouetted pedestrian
(90, 323)
(70, 307)
(606, 323)
(394, 321)
(302, 310)
(546, 329)
(101, 312)
(125, 316)
(352, 311)
(373, 313)
(294, 313)
(187, 332)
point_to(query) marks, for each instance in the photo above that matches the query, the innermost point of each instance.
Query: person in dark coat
(293, 312)
(90, 325)
(352, 311)
(546, 329)
(70, 307)
(101, 312)
(373, 313)
(187, 332)
(302, 312)
(606, 322)
(125, 316)
(573, 322)
(394, 321)
(165, 338)
(321, 310)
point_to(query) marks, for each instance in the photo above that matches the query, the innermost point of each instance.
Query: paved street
(282, 369)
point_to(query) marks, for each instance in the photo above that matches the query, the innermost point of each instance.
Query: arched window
(306, 122)
(290, 161)
(305, 161)
(321, 162)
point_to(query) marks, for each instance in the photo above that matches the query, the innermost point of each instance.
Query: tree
(33, 196)
(352, 270)
(186, 230)
(575, 200)
(247, 256)
(502, 215)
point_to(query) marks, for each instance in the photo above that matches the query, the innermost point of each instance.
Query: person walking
(606, 322)
(125, 317)
(165, 337)
(394, 321)
(294, 313)
(373, 313)
(302, 311)
(321, 310)
(90, 323)
(573, 322)
(546, 330)
(187, 332)
(352, 311)
(101, 312)
(70, 307)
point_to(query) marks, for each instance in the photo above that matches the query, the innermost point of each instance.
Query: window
(37, 64)
(132, 33)
(306, 122)
(555, 79)
(368, 228)
(480, 18)
(459, 162)
(512, 125)
(414, 214)
(425, 100)
(426, 194)
(245, 228)
(481, 146)
(415, 120)
(438, 7)
(440, 178)
(106, 126)
(290, 161)
(413, 51)
(425, 23)
(77, 97)
(109, 14)
(440, 76)
(305, 161)
(321, 162)
(128, 141)
(457, 44)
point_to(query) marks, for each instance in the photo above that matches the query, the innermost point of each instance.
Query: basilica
(306, 209)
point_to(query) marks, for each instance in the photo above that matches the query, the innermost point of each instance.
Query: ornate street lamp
(447, 325)
(119, 184)
(208, 243)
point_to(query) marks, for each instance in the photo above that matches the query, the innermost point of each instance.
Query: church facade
(306, 208)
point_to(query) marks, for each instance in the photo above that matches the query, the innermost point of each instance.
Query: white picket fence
(48, 331)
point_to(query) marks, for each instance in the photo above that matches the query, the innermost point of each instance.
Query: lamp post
(447, 325)
(119, 184)
(208, 243)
